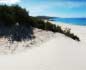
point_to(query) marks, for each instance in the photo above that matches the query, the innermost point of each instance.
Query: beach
(57, 53)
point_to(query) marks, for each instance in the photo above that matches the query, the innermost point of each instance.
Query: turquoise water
(74, 21)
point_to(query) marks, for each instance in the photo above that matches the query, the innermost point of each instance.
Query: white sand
(76, 29)
(41, 36)
(60, 53)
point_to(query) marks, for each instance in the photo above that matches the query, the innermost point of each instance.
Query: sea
(74, 21)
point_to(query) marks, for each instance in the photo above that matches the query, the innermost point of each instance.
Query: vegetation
(45, 17)
(10, 15)
(16, 24)
(39, 23)
(68, 33)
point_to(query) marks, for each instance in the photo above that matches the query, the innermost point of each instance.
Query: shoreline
(66, 24)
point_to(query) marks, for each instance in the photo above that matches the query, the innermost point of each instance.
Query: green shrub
(21, 14)
(68, 33)
(10, 15)
(39, 23)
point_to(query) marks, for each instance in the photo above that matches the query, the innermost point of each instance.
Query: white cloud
(67, 4)
(38, 9)
(72, 4)
(43, 7)
(9, 1)
(53, 8)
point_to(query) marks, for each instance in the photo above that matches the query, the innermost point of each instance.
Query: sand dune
(58, 53)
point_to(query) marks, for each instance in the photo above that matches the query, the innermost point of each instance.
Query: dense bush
(10, 16)
(14, 23)
(68, 33)
(39, 23)
(21, 15)
(6, 16)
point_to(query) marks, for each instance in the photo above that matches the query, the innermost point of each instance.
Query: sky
(55, 8)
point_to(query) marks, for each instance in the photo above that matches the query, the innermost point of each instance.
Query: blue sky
(57, 8)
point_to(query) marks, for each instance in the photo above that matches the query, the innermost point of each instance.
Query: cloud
(9, 1)
(67, 4)
(71, 4)
(38, 9)
(49, 5)
(42, 7)
(54, 8)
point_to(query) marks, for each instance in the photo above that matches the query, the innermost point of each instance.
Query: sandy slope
(41, 36)
(76, 29)
(60, 53)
